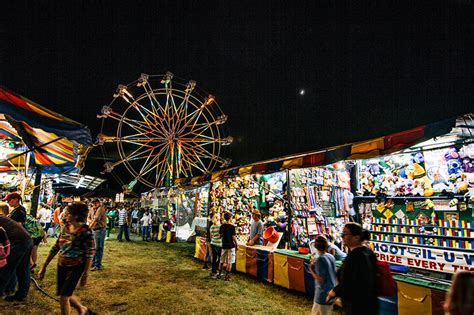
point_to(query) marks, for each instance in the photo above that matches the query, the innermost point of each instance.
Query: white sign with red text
(439, 260)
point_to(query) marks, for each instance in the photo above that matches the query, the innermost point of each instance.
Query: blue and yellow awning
(59, 144)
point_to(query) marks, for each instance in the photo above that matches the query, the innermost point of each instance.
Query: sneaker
(205, 267)
(95, 268)
(227, 278)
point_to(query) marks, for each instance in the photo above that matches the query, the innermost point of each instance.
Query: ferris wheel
(163, 128)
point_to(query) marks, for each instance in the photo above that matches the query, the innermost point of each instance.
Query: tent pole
(36, 193)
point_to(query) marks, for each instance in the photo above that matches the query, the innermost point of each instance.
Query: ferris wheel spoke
(196, 161)
(137, 107)
(135, 124)
(193, 120)
(197, 131)
(160, 173)
(151, 96)
(135, 154)
(147, 168)
(205, 153)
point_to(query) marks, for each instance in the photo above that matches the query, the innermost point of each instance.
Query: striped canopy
(59, 144)
(353, 151)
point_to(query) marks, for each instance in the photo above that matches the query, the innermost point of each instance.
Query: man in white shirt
(44, 217)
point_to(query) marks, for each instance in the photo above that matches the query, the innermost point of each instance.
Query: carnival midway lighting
(79, 182)
(164, 128)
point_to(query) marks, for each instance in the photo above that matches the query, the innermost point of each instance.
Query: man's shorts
(228, 256)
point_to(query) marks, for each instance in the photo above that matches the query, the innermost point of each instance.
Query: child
(216, 244)
(229, 243)
(323, 271)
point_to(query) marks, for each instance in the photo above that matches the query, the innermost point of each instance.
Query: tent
(58, 144)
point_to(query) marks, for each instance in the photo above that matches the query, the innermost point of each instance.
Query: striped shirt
(215, 235)
(74, 248)
(122, 217)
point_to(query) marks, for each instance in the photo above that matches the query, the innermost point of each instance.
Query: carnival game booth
(183, 210)
(36, 141)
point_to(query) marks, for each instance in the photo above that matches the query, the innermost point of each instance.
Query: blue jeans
(122, 229)
(145, 232)
(18, 264)
(99, 238)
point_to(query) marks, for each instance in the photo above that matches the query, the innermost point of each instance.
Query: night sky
(368, 68)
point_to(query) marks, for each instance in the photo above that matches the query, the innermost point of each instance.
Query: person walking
(97, 221)
(323, 270)
(123, 224)
(357, 276)
(75, 246)
(18, 262)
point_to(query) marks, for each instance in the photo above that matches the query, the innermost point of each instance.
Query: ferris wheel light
(143, 79)
(105, 112)
(122, 92)
(227, 141)
(167, 78)
(221, 119)
(190, 86)
(208, 100)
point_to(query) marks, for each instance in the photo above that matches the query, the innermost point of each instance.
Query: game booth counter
(413, 190)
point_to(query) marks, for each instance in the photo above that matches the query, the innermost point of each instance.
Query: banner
(439, 260)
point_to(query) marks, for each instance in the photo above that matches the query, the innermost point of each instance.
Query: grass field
(161, 278)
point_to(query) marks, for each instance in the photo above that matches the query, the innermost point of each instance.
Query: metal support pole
(36, 192)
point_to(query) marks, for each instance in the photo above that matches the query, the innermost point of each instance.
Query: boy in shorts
(229, 243)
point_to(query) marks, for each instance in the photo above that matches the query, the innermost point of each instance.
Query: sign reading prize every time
(440, 260)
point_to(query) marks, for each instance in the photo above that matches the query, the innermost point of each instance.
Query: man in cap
(256, 229)
(97, 220)
(18, 212)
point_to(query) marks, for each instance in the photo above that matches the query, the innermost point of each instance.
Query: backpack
(33, 227)
(4, 247)
(385, 284)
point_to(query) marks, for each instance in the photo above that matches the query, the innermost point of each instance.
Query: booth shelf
(425, 246)
(438, 227)
(425, 235)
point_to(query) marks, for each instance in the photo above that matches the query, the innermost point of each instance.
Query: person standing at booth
(256, 229)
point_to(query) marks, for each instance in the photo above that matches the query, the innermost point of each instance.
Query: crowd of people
(82, 228)
(355, 283)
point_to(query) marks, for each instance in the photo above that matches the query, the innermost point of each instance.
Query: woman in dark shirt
(356, 285)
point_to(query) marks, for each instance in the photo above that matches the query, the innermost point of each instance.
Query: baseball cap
(11, 196)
